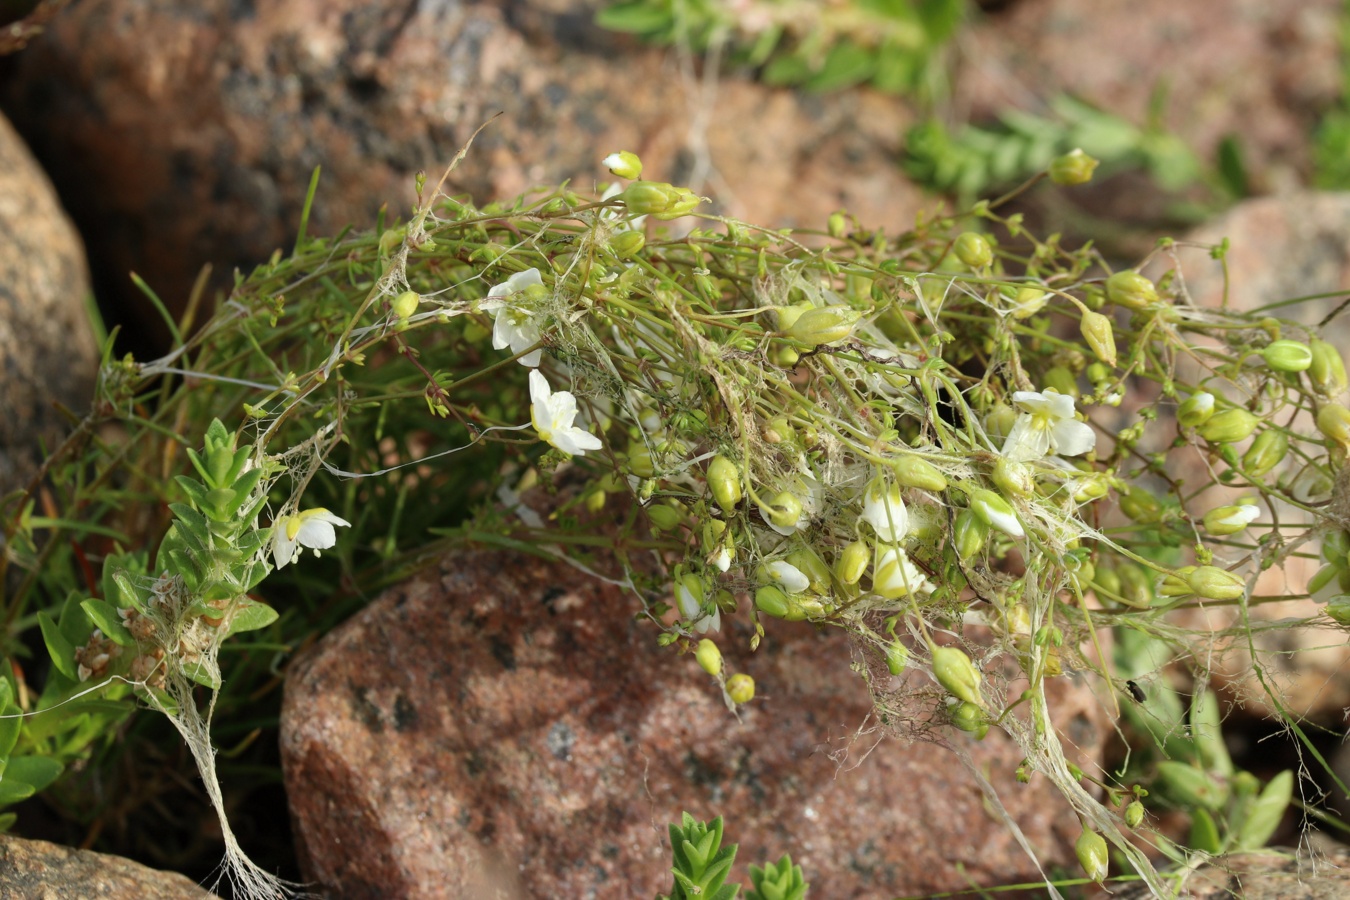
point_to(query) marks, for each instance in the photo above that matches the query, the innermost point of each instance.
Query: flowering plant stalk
(963, 445)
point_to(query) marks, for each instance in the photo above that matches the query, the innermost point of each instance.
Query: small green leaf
(635, 18)
(14, 791)
(1266, 813)
(106, 619)
(1204, 833)
(199, 673)
(250, 616)
(39, 771)
(62, 651)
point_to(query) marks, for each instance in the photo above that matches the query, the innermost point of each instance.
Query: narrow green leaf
(62, 651)
(1266, 813)
(635, 18)
(106, 619)
(38, 771)
(1204, 833)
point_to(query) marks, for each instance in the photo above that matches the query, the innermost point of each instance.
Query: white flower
(895, 575)
(996, 512)
(691, 608)
(312, 528)
(1046, 425)
(885, 511)
(514, 326)
(788, 576)
(552, 415)
(722, 558)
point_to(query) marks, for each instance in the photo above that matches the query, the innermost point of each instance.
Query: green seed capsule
(1333, 420)
(1327, 372)
(1061, 380)
(724, 481)
(1100, 336)
(897, 657)
(664, 518)
(1338, 608)
(973, 249)
(1228, 427)
(709, 657)
(971, 719)
(1266, 452)
(784, 510)
(1136, 588)
(741, 688)
(813, 567)
(1072, 168)
(627, 244)
(772, 601)
(1134, 814)
(1092, 855)
(1131, 290)
(1216, 584)
(955, 672)
(852, 562)
(911, 471)
(1226, 520)
(972, 533)
(1288, 356)
(1196, 409)
(405, 304)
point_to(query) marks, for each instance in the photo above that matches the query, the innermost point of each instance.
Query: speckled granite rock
(187, 133)
(37, 870)
(505, 719)
(47, 350)
(1271, 874)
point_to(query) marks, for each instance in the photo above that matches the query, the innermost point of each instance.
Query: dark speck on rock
(501, 649)
(560, 740)
(366, 711)
(405, 713)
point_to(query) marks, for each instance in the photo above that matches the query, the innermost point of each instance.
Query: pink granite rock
(43, 871)
(501, 726)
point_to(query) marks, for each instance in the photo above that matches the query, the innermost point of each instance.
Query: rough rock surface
(47, 350)
(505, 718)
(187, 133)
(1276, 873)
(43, 871)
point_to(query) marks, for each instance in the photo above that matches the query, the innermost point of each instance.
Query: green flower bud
(1338, 608)
(836, 224)
(972, 533)
(741, 688)
(656, 198)
(1175, 584)
(724, 481)
(1097, 331)
(1072, 168)
(1288, 356)
(1027, 302)
(683, 202)
(1134, 814)
(897, 657)
(640, 460)
(1333, 420)
(911, 471)
(852, 562)
(663, 517)
(1092, 855)
(1061, 381)
(627, 244)
(996, 512)
(955, 672)
(405, 304)
(999, 421)
(1136, 588)
(1108, 579)
(1216, 584)
(1228, 427)
(1226, 520)
(788, 315)
(1196, 409)
(786, 356)
(813, 567)
(1131, 290)
(974, 250)
(625, 164)
(1266, 452)
(1014, 479)
(784, 510)
(971, 719)
(1327, 372)
(824, 325)
(709, 657)
(779, 429)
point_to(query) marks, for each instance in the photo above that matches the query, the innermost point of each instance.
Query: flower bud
(852, 562)
(973, 250)
(1092, 855)
(683, 201)
(824, 325)
(771, 600)
(778, 429)
(809, 563)
(1226, 520)
(897, 657)
(1134, 814)
(999, 421)
(971, 534)
(1228, 427)
(1097, 331)
(1060, 380)
(1072, 168)
(1333, 420)
(1338, 608)
(627, 244)
(1131, 290)
(1027, 302)
(663, 517)
(1175, 584)
(784, 510)
(955, 672)
(1196, 409)
(405, 304)
(1140, 505)
(1013, 478)
(709, 657)
(741, 688)
(649, 197)
(1266, 452)
(911, 471)
(1136, 588)
(1327, 372)
(836, 224)
(724, 481)
(790, 578)
(996, 512)
(625, 164)
(1214, 583)
(1288, 356)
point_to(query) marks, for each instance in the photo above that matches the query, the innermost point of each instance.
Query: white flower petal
(1006, 523)
(895, 575)
(885, 511)
(788, 576)
(1028, 440)
(1070, 437)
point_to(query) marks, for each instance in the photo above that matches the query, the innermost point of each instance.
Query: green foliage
(702, 864)
(890, 44)
(777, 881)
(975, 161)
